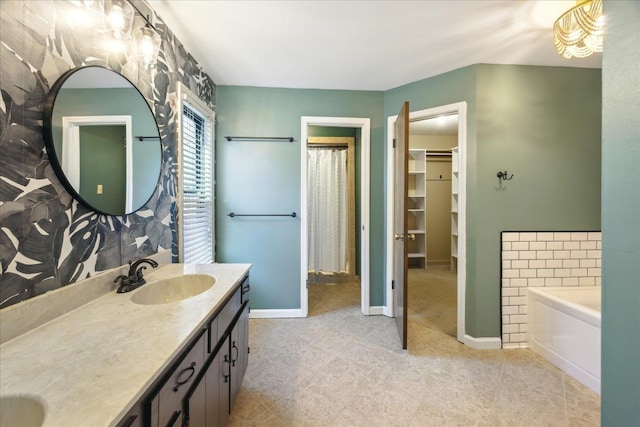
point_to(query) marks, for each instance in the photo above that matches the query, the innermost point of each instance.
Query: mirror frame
(56, 159)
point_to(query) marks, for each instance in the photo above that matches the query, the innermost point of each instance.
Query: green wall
(621, 216)
(103, 161)
(264, 177)
(543, 125)
(540, 123)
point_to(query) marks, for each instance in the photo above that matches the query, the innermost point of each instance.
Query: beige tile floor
(340, 368)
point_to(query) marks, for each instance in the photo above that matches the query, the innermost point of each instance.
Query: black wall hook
(503, 176)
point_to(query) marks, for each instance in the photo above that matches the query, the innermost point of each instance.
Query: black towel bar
(233, 214)
(259, 138)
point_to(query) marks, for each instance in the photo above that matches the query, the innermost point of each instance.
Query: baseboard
(386, 310)
(488, 343)
(275, 314)
(376, 311)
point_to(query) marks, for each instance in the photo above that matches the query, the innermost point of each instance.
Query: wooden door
(400, 231)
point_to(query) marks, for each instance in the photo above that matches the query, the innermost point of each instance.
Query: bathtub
(564, 327)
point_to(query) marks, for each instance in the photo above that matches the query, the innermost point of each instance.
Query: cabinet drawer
(181, 379)
(245, 287)
(225, 317)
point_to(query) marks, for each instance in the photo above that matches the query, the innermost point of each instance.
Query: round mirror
(102, 140)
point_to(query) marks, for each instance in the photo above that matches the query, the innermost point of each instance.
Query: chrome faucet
(134, 278)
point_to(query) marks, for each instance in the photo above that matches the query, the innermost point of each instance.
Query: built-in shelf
(417, 207)
(455, 167)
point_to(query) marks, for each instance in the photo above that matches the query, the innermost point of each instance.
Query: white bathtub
(564, 327)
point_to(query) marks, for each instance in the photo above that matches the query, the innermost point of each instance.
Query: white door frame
(461, 109)
(364, 124)
(71, 149)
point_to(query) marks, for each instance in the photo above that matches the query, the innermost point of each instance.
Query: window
(196, 181)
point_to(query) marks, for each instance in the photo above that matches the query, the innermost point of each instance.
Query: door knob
(412, 236)
(399, 236)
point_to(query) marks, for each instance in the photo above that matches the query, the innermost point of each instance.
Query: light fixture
(119, 14)
(578, 32)
(148, 45)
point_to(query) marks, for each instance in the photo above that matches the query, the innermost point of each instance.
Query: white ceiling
(361, 45)
(439, 125)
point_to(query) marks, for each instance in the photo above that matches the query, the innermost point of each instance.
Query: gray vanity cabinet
(201, 389)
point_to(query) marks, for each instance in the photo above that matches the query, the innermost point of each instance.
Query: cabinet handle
(189, 371)
(226, 376)
(233, 347)
(246, 288)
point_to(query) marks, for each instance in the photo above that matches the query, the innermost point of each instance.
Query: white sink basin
(21, 411)
(172, 289)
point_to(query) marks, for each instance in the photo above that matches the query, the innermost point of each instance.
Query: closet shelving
(417, 207)
(454, 207)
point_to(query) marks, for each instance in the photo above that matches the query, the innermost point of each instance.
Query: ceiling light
(578, 32)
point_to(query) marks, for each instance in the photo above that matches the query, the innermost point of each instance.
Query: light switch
(99, 190)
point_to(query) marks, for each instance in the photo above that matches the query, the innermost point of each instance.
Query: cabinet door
(243, 325)
(218, 379)
(235, 364)
(212, 393)
(195, 405)
(239, 350)
(169, 398)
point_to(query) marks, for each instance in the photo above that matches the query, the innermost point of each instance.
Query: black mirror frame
(50, 143)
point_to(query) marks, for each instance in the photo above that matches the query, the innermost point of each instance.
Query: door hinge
(393, 284)
(248, 350)
(394, 143)
(307, 284)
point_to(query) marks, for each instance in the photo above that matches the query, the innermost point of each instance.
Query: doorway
(361, 180)
(457, 260)
(432, 293)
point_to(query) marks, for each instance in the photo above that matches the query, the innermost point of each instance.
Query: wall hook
(503, 176)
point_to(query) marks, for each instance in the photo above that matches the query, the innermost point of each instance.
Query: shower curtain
(327, 207)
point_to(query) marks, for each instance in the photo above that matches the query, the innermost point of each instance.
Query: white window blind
(197, 187)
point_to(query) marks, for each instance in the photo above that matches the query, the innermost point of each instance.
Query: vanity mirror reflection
(102, 140)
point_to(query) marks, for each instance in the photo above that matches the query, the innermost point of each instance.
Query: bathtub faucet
(134, 278)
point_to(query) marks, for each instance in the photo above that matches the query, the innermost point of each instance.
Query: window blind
(197, 187)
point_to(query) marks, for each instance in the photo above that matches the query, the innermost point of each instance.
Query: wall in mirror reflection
(103, 147)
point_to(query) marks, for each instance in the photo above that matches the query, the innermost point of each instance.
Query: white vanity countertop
(90, 365)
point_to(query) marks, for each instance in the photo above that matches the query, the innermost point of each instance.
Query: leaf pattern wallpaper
(47, 239)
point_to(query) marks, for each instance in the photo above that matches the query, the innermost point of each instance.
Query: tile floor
(340, 368)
